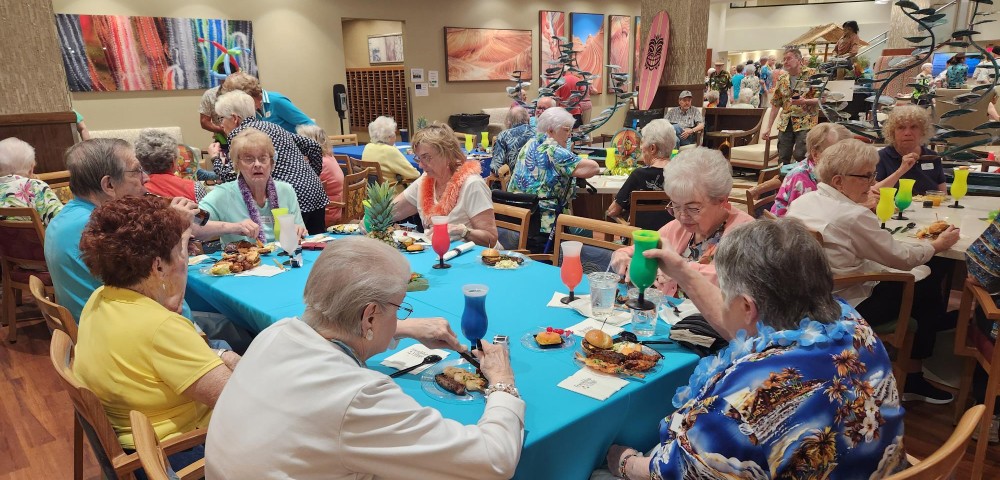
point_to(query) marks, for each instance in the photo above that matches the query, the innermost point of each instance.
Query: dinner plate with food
(599, 352)
(502, 260)
(344, 228)
(410, 242)
(932, 231)
(453, 381)
(543, 339)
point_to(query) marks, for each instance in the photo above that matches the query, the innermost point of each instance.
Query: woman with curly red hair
(135, 351)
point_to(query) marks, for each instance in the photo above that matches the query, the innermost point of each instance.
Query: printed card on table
(410, 356)
(589, 324)
(592, 384)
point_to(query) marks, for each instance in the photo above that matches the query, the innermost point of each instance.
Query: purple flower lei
(272, 198)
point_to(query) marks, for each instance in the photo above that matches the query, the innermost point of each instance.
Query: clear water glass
(644, 321)
(603, 287)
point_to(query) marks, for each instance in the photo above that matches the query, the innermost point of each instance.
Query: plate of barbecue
(599, 352)
(453, 381)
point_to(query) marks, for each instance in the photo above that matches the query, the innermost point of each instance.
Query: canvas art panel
(483, 54)
(638, 53)
(386, 48)
(550, 24)
(620, 27)
(587, 32)
(103, 53)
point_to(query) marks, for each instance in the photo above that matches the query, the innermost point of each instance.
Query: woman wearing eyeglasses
(855, 243)
(698, 182)
(255, 193)
(308, 378)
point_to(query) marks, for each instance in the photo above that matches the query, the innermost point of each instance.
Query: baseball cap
(685, 94)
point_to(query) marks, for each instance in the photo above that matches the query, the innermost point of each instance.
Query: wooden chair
(504, 174)
(978, 348)
(747, 149)
(21, 255)
(355, 193)
(760, 198)
(986, 165)
(604, 235)
(768, 173)
(515, 220)
(944, 461)
(59, 183)
(56, 316)
(374, 169)
(349, 139)
(640, 202)
(344, 161)
(153, 456)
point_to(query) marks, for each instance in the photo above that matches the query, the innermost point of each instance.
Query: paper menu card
(410, 356)
(589, 324)
(593, 384)
(261, 270)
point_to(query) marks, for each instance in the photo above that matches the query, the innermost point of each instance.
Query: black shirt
(929, 175)
(643, 179)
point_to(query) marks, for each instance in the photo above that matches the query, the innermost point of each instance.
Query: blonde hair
(908, 114)
(845, 157)
(823, 135)
(250, 139)
(315, 132)
(441, 138)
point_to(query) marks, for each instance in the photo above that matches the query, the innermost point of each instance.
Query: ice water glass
(644, 320)
(603, 287)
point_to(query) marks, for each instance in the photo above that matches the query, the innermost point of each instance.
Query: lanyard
(343, 346)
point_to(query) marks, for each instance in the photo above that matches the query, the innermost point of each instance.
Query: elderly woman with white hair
(509, 142)
(745, 100)
(751, 82)
(17, 188)
(698, 182)
(658, 141)
(382, 149)
(548, 168)
(341, 419)
(236, 109)
(802, 178)
(157, 152)
(805, 388)
(855, 244)
(907, 130)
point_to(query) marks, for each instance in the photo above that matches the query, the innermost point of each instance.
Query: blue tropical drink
(474, 321)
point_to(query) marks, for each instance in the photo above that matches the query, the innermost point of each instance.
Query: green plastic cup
(275, 213)
(642, 270)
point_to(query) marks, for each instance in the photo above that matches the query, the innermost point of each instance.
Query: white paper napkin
(583, 307)
(198, 259)
(410, 356)
(262, 270)
(557, 300)
(322, 237)
(592, 384)
(465, 247)
(686, 308)
(589, 324)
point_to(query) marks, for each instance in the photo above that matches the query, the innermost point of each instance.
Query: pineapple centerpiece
(378, 213)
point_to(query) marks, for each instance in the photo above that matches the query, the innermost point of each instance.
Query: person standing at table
(341, 419)
(907, 129)
(271, 106)
(805, 388)
(565, 94)
(382, 149)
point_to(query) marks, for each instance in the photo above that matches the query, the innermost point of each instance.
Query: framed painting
(386, 48)
(486, 54)
(550, 24)
(587, 32)
(620, 27)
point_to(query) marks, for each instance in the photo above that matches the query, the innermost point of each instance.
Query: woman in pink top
(332, 175)
(802, 178)
(698, 182)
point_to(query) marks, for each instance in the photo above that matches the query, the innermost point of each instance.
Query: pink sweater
(333, 182)
(673, 235)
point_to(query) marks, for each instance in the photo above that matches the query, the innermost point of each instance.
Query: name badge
(675, 423)
(927, 166)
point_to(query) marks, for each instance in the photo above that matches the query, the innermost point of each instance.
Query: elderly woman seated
(805, 388)
(17, 188)
(802, 178)
(548, 168)
(698, 182)
(332, 175)
(745, 100)
(658, 141)
(907, 129)
(135, 351)
(341, 419)
(450, 187)
(509, 142)
(382, 149)
(157, 152)
(254, 194)
(854, 243)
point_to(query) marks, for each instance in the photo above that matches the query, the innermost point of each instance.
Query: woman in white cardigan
(302, 404)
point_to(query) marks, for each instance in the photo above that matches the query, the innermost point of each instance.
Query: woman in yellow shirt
(135, 351)
(382, 149)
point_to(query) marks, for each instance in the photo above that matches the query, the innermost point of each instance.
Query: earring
(163, 286)
(369, 335)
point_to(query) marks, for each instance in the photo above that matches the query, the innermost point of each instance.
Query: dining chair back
(504, 174)
(986, 165)
(600, 240)
(374, 169)
(768, 173)
(355, 193)
(648, 209)
(348, 139)
(944, 461)
(153, 454)
(22, 240)
(56, 316)
(536, 240)
(344, 161)
(512, 226)
(58, 182)
(761, 197)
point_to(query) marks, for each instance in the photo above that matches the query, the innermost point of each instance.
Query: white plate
(512, 254)
(645, 349)
(344, 228)
(432, 389)
(528, 341)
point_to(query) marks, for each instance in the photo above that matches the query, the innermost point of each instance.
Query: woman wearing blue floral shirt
(804, 389)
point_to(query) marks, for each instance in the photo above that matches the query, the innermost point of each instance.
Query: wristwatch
(221, 351)
(465, 232)
(503, 387)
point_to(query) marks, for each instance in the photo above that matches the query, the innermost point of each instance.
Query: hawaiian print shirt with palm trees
(545, 168)
(816, 402)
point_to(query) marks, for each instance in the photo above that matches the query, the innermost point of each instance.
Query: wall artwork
(638, 53)
(480, 54)
(619, 52)
(550, 24)
(587, 30)
(386, 48)
(104, 53)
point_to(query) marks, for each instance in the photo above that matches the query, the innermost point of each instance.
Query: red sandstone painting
(588, 40)
(550, 24)
(618, 45)
(482, 54)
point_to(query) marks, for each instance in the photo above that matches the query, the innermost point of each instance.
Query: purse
(695, 334)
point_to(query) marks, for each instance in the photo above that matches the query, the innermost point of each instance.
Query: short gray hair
(660, 132)
(782, 268)
(316, 133)
(91, 160)
(554, 118)
(336, 296)
(746, 96)
(749, 70)
(17, 157)
(156, 151)
(794, 51)
(712, 96)
(383, 130)
(236, 102)
(517, 115)
(846, 157)
(698, 170)
(822, 136)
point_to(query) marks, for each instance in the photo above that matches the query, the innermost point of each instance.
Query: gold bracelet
(621, 466)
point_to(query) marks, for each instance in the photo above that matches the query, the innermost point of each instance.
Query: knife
(470, 358)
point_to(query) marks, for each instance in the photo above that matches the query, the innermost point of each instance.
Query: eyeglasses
(263, 160)
(868, 176)
(673, 209)
(138, 170)
(402, 307)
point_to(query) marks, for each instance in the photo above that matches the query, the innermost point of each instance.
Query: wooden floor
(36, 416)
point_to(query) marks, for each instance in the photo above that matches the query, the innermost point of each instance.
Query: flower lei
(251, 204)
(449, 198)
(809, 333)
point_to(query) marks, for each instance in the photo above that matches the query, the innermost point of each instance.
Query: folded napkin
(583, 307)
(593, 384)
(411, 356)
(262, 270)
(686, 309)
(556, 300)
(198, 259)
(465, 247)
(589, 324)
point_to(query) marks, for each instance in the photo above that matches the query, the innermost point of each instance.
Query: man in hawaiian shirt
(799, 109)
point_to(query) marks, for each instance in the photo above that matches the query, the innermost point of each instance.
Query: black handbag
(695, 334)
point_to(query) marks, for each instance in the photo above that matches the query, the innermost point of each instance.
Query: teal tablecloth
(355, 151)
(567, 434)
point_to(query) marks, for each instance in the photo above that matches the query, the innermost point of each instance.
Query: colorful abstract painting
(550, 24)
(638, 52)
(104, 53)
(587, 30)
(619, 52)
(480, 54)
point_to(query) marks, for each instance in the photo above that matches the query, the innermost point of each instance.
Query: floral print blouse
(18, 191)
(801, 179)
(545, 168)
(819, 401)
